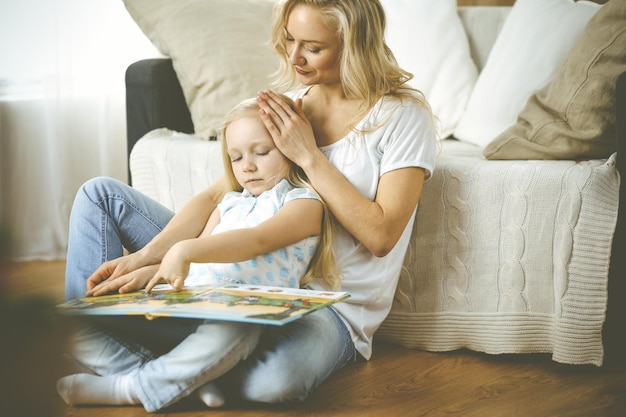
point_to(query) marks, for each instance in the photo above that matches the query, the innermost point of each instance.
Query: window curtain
(62, 111)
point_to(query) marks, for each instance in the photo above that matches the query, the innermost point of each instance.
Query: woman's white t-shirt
(406, 138)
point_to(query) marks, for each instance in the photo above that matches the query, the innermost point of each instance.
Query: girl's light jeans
(288, 363)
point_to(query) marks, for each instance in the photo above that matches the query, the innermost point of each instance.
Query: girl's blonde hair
(368, 68)
(323, 265)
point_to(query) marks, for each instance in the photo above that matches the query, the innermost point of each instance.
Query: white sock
(211, 395)
(84, 389)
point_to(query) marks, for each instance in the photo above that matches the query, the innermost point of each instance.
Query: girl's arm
(132, 272)
(296, 220)
(377, 224)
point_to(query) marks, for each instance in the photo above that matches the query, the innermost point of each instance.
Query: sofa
(516, 244)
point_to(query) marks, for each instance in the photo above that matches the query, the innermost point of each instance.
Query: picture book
(245, 303)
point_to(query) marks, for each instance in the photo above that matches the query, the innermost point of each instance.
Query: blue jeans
(287, 364)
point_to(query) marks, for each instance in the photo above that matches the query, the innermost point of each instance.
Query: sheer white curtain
(62, 111)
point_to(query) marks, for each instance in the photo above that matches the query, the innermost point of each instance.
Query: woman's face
(313, 48)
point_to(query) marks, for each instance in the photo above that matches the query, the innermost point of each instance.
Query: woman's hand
(290, 129)
(120, 267)
(173, 269)
(132, 281)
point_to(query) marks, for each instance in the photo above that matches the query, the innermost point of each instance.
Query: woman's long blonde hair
(323, 265)
(368, 68)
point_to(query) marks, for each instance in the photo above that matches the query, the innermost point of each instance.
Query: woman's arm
(131, 272)
(189, 221)
(377, 224)
(213, 221)
(296, 220)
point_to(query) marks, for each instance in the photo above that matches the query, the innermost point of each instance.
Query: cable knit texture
(509, 257)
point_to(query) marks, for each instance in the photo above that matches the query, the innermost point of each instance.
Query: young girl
(366, 142)
(265, 232)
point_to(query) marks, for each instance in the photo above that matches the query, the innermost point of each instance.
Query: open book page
(233, 302)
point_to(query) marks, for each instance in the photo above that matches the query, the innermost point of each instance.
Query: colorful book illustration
(245, 303)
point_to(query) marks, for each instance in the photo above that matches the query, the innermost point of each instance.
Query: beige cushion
(220, 53)
(573, 117)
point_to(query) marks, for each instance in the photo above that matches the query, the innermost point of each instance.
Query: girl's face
(257, 164)
(313, 48)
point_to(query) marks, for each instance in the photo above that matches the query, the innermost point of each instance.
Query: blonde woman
(366, 142)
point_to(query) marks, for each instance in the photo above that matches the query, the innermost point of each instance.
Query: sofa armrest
(154, 99)
(620, 114)
(615, 345)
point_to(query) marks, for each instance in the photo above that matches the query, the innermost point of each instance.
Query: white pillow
(219, 50)
(534, 42)
(428, 39)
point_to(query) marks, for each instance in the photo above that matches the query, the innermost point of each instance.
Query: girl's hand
(290, 129)
(132, 281)
(173, 269)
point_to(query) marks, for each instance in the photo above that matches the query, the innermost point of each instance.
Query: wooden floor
(397, 382)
